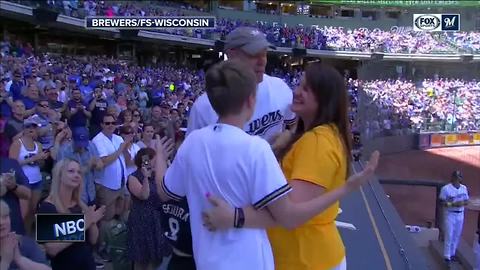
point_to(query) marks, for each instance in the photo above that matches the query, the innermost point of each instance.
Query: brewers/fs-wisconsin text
(149, 22)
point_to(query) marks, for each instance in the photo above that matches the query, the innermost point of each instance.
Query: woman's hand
(41, 156)
(220, 216)
(8, 247)
(280, 140)
(164, 147)
(147, 172)
(61, 135)
(357, 180)
(92, 215)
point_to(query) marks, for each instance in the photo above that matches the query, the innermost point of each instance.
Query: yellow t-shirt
(317, 157)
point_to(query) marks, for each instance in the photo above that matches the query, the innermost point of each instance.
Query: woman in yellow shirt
(315, 161)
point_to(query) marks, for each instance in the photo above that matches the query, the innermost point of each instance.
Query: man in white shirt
(113, 151)
(274, 97)
(454, 197)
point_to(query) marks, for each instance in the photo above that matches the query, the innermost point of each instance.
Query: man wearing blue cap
(85, 152)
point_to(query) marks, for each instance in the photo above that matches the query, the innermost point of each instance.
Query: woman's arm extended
(285, 211)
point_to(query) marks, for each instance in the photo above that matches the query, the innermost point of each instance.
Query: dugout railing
(424, 183)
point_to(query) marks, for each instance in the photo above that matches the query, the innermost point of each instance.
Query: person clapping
(147, 245)
(18, 252)
(65, 197)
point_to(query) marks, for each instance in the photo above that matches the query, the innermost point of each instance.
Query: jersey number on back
(174, 229)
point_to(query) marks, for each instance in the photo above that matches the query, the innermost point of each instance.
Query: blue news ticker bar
(54, 227)
(195, 22)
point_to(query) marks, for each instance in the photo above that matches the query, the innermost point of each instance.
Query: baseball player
(454, 197)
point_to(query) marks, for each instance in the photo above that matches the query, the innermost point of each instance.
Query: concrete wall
(389, 145)
(253, 16)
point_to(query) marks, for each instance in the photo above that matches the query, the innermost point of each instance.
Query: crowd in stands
(441, 104)
(395, 106)
(52, 108)
(467, 41)
(321, 38)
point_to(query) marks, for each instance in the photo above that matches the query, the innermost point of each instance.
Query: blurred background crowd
(282, 35)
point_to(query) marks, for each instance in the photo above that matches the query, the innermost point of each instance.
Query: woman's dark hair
(121, 116)
(147, 124)
(125, 129)
(329, 89)
(143, 152)
(139, 113)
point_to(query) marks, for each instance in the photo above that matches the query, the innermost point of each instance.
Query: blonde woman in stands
(67, 184)
(316, 164)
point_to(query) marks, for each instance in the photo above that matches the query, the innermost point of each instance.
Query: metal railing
(424, 183)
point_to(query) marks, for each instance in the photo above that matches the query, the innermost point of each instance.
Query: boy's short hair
(229, 84)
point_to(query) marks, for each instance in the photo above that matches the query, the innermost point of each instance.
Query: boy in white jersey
(272, 110)
(224, 160)
(454, 197)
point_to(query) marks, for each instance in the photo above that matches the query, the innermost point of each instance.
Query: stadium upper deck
(311, 36)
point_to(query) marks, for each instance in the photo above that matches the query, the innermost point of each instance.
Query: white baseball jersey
(226, 162)
(272, 110)
(449, 193)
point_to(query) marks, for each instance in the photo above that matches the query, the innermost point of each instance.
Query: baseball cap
(457, 174)
(80, 137)
(32, 120)
(249, 39)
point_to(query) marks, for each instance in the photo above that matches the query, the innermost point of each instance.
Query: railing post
(439, 214)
